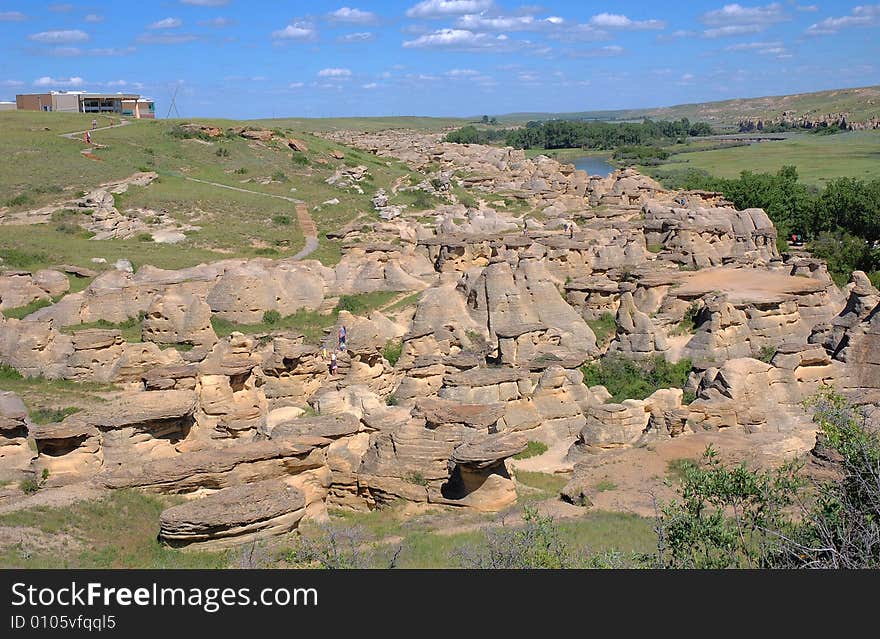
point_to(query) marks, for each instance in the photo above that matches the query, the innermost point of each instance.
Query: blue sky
(254, 58)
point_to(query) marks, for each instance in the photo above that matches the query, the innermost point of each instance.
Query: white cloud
(65, 36)
(60, 8)
(732, 30)
(75, 52)
(685, 79)
(461, 73)
(12, 16)
(166, 38)
(94, 17)
(598, 52)
(296, 31)
(809, 8)
(370, 85)
(460, 39)
(752, 46)
(617, 21)
(11, 83)
(580, 32)
(205, 3)
(352, 16)
(732, 14)
(867, 15)
(116, 83)
(444, 8)
(475, 22)
(295, 85)
(217, 23)
(167, 23)
(362, 36)
(334, 72)
(47, 81)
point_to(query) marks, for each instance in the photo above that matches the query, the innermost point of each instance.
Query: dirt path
(76, 134)
(306, 222)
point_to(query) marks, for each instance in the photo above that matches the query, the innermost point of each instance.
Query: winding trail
(304, 218)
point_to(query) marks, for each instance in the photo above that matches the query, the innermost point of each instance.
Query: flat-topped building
(128, 104)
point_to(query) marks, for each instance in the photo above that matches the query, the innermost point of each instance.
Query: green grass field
(818, 158)
(45, 169)
(859, 102)
(365, 124)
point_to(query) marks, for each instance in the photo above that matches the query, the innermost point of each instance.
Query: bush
(392, 351)
(416, 478)
(279, 176)
(144, 237)
(30, 486)
(241, 171)
(726, 517)
(22, 199)
(533, 449)
(300, 159)
(222, 152)
(742, 518)
(536, 544)
(8, 373)
(604, 328)
(690, 321)
(271, 317)
(51, 415)
(767, 353)
(281, 220)
(629, 379)
(21, 259)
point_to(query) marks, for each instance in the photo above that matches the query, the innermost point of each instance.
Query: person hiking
(94, 124)
(87, 138)
(334, 363)
(324, 350)
(342, 337)
(571, 231)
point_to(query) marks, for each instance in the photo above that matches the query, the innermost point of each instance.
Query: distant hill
(861, 103)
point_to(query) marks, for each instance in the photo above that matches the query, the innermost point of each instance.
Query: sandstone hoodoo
(479, 324)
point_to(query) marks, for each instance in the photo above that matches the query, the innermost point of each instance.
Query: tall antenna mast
(173, 105)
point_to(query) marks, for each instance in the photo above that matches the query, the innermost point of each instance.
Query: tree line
(571, 134)
(841, 222)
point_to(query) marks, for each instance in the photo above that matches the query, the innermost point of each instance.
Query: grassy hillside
(365, 124)
(819, 158)
(43, 168)
(861, 102)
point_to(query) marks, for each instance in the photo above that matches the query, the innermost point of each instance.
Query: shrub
(767, 353)
(222, 152)
(533, 449)
(279, 176)
(8, 373)
(50, 415)
(536, 544)
(605, 485)
(282, 220)
(416, 478)
(605, 328)
(628, 379)
(725, 517)
(144, 237)
(30, 486)
(392, 351)
(271, 317)
(21, 259)
(690, 320)
(22, 199)
(300, 159)
(241, 171)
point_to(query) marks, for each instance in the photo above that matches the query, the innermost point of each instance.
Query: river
(593, 165)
